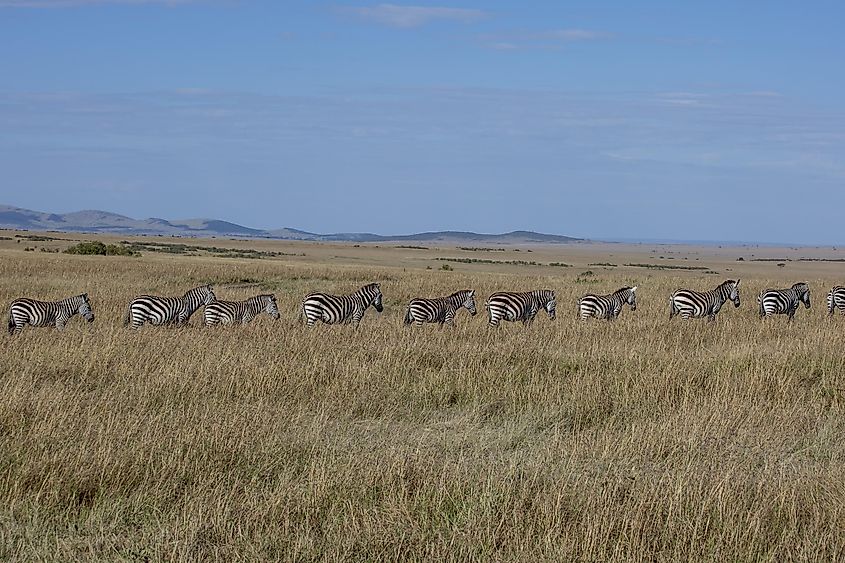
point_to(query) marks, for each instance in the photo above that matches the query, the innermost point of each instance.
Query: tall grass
(642, 439)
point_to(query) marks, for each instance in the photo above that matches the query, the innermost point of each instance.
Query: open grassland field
(642, 439)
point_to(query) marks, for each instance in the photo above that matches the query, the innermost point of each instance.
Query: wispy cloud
(76, 3)
(545, 39)
(413, 16)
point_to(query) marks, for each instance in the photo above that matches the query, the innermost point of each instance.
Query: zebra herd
(350, 309)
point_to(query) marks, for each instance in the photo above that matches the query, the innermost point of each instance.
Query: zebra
(24, 311)
(607, 306)
(688, 303)
(167, 310)
(240, 312)
(784, 301)
(440, 310)
(341, 309)
(519, 306)
(836, 300)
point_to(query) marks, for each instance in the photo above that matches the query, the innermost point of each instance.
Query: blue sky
(675, 120)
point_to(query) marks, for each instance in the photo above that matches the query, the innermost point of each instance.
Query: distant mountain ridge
(105, 222)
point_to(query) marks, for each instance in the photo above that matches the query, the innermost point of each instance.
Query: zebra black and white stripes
(240, 312)
(607, 306)
(25, 311)
(784, 301)
(688, 303)
(523, 307)
(167, 310)
(334, 309)
(440, 310)
(836, 300)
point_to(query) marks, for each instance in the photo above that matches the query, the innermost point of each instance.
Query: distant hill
(93, 221)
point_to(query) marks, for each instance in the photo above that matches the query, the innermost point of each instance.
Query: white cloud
(414, 16)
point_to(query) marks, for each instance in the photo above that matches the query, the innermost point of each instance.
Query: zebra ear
(85, 296)
(634, 288)
(737, 283)
(472, 293)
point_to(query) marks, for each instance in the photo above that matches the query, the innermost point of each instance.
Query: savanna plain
(641, 439)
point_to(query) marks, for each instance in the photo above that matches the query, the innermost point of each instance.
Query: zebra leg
(15, 327)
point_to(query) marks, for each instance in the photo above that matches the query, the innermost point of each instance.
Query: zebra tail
(11, 324)
(408, 319)
(127, 316)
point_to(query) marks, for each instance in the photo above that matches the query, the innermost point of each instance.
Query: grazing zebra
(343, 309)
(784, 301)
(167, 310)
(607, 306)
(688, 303)
(240, 312)
(440, 310)
(47, 313)
(519, 306)
(836, 300)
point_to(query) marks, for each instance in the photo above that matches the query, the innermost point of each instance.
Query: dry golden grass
(642, 439)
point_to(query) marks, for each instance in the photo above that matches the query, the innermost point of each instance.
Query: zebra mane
(800, 285)
(197, 289)
(460, 294)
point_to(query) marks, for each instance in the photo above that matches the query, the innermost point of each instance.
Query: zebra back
(784, 301)
(231, 312)
(441, 309)
(607, 306)
(688, 303)
(168, 310)
(511, 306)
(836, 299)
(25, 311)
(333, 309)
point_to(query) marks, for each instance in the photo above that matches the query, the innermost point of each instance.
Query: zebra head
(372, 296)
(207, 294)
(270, 306)
(632, 298)
(551, 303)
(84, 308)
(466, 299)
(731, 290)
(803, 291)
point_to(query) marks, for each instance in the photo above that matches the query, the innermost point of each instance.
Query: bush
(97, 248)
